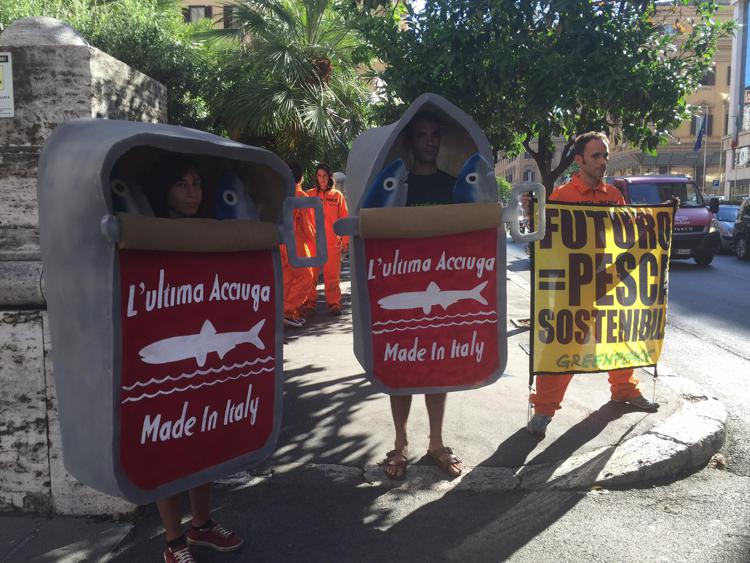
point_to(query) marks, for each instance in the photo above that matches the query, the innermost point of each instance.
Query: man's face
(425, 140)
(594, 160)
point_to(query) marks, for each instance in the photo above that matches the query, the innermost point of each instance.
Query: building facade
(218, 11)
(711, 102)
(523, 168)
(737, 144)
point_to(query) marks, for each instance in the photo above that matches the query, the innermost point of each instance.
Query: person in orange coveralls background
(334, 208)
(297, 281)
(591, 153)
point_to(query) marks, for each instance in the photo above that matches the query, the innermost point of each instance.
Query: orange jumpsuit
(334, 208)
(550, 389)
(297, 281)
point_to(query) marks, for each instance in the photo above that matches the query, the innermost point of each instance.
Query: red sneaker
(215, 536)
(179, 554)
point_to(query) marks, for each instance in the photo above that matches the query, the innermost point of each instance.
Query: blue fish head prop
(127, 197)
(232, 200)
(389, 187)
(476, 182)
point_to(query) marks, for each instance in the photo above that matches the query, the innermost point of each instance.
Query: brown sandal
(396, 459)
(445, 458)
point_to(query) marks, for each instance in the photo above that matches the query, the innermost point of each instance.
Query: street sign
(6, 85)
(716, 183)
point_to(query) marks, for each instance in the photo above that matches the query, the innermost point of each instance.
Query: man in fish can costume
(427, 185)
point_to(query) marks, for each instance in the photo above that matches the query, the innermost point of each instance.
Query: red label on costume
(433, 304)
(198, 361)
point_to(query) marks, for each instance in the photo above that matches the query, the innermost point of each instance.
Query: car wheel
(741, 248)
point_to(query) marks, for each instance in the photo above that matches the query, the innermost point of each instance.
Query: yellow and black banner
(599, 287)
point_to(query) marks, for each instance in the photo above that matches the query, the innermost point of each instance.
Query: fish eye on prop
(229, 197)
(472, 178)
(390, 184)
(119, 188)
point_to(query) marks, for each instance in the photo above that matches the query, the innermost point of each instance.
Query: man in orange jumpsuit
(334, 208)
(591, 153)
(297, 281)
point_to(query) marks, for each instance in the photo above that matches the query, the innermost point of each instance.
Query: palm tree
(291, 81)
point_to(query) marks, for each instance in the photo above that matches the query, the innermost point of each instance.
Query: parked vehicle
(742, 232)
(695, 233)
(725, 219)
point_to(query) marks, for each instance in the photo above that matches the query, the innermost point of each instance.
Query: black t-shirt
(430, 189)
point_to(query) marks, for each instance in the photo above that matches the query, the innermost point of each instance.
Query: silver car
(725, 219)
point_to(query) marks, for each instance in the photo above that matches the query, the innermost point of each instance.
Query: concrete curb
(684, 441)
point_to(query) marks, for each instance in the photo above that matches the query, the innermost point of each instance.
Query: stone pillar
(57, 76)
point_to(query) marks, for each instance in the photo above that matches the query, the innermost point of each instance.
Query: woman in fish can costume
(178, 193)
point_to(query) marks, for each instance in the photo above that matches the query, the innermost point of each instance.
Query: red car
(695, 233)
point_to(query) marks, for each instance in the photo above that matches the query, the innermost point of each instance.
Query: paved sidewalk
(323, 482)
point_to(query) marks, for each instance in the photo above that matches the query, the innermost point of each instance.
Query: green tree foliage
(540, 69)
(503, 189)
(290, 83)
(149, 35)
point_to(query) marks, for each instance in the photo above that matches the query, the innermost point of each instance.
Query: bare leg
(170, 511)
(200, 504)
(436, 412)
(435, 404)
(400, 407)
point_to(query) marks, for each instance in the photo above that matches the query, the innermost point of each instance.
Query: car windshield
(728, 214)
(653, 193)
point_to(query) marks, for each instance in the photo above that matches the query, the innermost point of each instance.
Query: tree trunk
(549, 174)
(543, 158)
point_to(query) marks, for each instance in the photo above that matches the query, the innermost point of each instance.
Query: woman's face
(323, 178)
(184, 197)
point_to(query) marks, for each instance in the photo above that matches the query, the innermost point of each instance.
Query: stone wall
(56, 77)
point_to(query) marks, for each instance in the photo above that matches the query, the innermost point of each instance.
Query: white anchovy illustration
(199, 345)
(430, 297)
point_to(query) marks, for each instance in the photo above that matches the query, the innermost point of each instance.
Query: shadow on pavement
(492, 526)
(522, 265)
(328, 406)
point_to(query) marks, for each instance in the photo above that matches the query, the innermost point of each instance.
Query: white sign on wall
(741, 157)
(6, 85)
